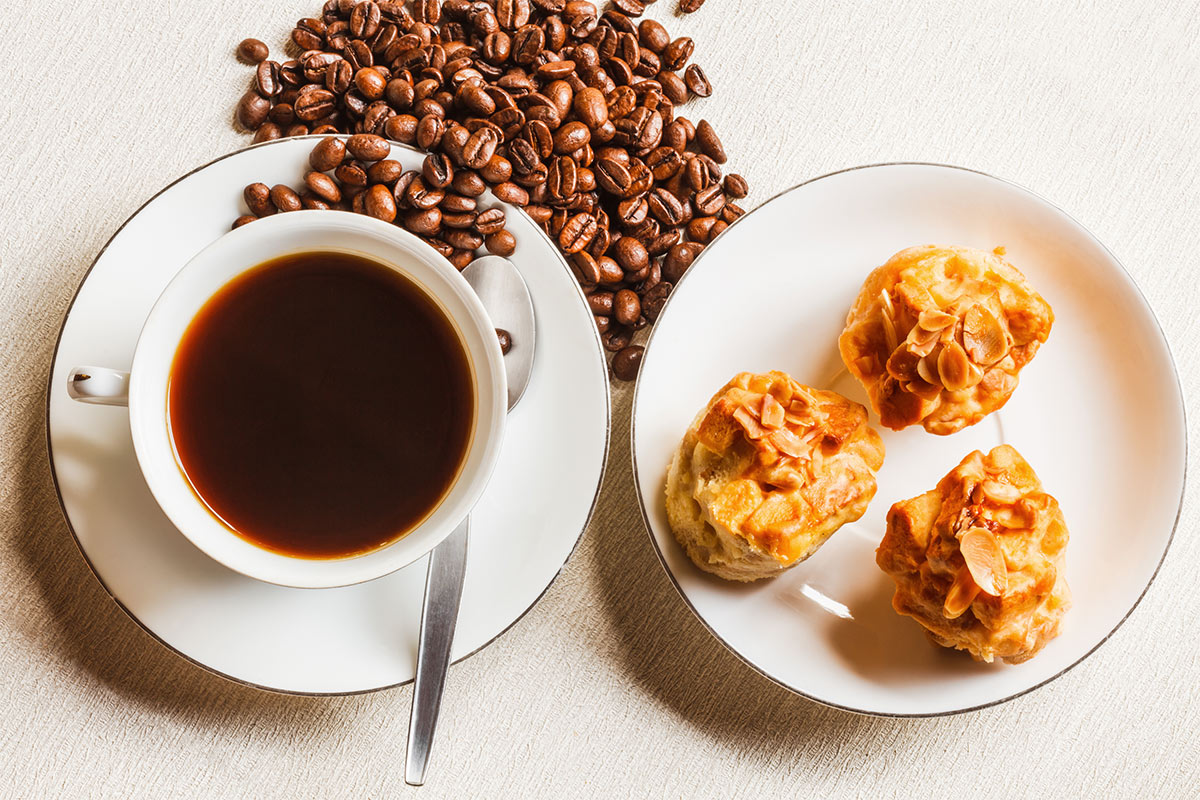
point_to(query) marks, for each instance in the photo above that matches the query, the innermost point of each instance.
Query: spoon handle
(439, 614)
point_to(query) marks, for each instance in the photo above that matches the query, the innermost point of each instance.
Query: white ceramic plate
(317, 641)
(1099, 414)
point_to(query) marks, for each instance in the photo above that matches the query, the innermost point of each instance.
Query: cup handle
(99, 386)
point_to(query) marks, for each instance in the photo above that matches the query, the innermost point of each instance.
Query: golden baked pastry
(768, 470)
(978, 561)
(938, 335)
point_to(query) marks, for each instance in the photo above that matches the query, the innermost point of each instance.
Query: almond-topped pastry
(768, 470)
(938, 335)
(978, 561)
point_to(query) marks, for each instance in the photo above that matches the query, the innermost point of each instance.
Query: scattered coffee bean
(285, 198)
(252, 110)
(252, 51)
(626, 362)
(690, 6)
(697, 81)
(735, 186)
(505, 340)
(501, 243)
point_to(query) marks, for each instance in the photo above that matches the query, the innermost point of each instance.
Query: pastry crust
(768, 470)
(978, 561)
(938, 335)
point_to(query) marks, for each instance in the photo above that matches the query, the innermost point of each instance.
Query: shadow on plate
(91, 631)
(671, 656)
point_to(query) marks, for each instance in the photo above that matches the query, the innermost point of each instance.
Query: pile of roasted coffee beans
(355, 174)
(561, 110)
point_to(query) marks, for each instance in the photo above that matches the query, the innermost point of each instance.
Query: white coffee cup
(144, 388)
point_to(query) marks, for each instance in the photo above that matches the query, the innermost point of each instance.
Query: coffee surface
(321, 405)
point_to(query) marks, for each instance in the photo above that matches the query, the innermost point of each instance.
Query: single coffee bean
(609, 271)
(735, 186)
(387, 171)
(282, 114)
(666, 207)
(424, 223)
(380, 204)
(328, 153)
(662, 243)
(577, 233)
(399, 92)
(258, 199)
(655, 298)
(480, 148)
(364, 19)
(418, 195)
(458, 204)
(430, 131)
(700, 228)
(690, 6)
(266, 132)
(632, 212)
(500, 243)
(490, 221)
(571, 137)
(402, 128)
(731, 211)
(245, 219)
(461, 258)
(458, 221)
(312, 202)
(505, 340)
(630, 254)
(676, 54)
(709, 201)
(309, 34)
(602, 323)
(653, 36)
(369, 81)
(252, 110)
(509, 192)
(590, 107)
(314, 104)
(266, 79)
(368, 146)
(601, 303)
(468, 183)
(461, 239)
(626, 362)
(285, 198)
(351, 175)
(627, 307)
(252, 51)
(616, 338)
(673, 86)
(678, 259)
(586, 268)
(708, 142)
(437, 170)
(697, 81)
(497, 170)
(323, 187)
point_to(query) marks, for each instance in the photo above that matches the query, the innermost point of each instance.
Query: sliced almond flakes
(985, 560)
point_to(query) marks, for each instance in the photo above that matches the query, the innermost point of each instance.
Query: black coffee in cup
(321, 405)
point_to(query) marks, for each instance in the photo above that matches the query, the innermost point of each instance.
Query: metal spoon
(506, 297)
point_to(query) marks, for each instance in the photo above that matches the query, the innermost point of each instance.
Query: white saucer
(1099, 414)
(317, 641)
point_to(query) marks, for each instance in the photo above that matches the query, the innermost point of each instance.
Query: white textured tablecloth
(609, 687)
